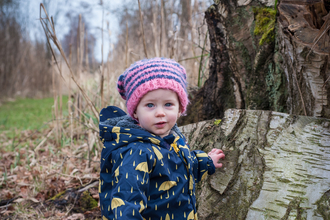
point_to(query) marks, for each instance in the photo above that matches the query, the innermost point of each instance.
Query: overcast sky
(91, 9)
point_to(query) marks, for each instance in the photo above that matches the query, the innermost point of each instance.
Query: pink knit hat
(151, 74)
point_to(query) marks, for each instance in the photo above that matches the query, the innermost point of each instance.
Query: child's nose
(160, 112)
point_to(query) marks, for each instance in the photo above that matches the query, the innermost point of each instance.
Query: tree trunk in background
(185, 18)
(276, 166)
(300, 23)
(262, 61)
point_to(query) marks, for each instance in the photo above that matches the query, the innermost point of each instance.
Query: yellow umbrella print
(116, 130)
(142, 206)
(115, 203)
(191, 182)
(185, 146)
(158, 154)
(117, 174)
(204, 175)
(191, 215)
(144, 168)
(201, 155)
(165, 186)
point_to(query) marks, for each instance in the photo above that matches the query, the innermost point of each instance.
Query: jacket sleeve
(124, 189)
(203, 165)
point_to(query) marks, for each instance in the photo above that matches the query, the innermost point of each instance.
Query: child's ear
(179, 113)
(135, 115)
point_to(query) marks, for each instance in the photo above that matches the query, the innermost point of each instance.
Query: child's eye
(168, 104)
(150, 105)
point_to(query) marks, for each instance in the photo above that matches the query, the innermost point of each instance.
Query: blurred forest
(53, 172)
(24, 65)
(171, 28)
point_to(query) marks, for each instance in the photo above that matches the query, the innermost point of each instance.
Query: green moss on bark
(265, 24)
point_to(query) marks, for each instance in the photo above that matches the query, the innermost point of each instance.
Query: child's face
(158, 111)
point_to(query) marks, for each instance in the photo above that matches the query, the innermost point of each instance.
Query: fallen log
(277, 166)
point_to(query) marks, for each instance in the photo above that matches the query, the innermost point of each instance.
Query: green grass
(28, 113)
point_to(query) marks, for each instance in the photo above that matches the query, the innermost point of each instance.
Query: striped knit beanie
(151, 74)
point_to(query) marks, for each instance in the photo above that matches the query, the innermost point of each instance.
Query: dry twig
(51, 35)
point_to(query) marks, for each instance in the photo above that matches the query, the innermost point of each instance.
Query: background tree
(71, 40)
(172, 29)
(24, 67)
(266, 59)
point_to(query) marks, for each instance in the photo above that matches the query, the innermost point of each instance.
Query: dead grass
(35, 169)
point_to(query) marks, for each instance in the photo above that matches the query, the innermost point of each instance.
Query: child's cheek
(173, 117)
(147, 121)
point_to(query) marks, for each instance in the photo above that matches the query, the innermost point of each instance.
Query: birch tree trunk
(303, 46)
(267, 58)
(277, 166)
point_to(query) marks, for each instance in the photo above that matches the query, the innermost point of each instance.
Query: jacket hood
(118, 127)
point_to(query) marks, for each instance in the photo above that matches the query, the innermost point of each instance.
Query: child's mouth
(160, 124)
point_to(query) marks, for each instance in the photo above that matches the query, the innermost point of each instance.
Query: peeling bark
(276, 167)
(305, 51)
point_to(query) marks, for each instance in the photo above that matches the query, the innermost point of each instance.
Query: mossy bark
(266, 62)
(276, 166)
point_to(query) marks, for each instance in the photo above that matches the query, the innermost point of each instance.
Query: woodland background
(253, 65)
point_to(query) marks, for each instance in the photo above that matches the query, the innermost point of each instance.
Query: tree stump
(277, 166)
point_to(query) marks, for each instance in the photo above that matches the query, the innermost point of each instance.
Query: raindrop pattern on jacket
(144, 176)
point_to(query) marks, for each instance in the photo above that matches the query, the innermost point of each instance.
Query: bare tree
(71, 38)
(24, 66)
(168, 26)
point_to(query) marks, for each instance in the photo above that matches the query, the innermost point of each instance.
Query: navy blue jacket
(144, 176)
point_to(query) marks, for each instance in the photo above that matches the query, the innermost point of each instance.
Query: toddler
(147, 169)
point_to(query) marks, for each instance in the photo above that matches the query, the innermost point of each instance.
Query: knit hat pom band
(148, 75)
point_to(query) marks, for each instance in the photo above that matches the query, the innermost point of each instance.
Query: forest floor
(48, 173)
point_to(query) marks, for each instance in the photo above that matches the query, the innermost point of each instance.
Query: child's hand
(216, 155)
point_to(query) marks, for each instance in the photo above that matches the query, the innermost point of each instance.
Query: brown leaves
(30, 176)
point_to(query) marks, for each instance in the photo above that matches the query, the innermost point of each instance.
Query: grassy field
(28, 114)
